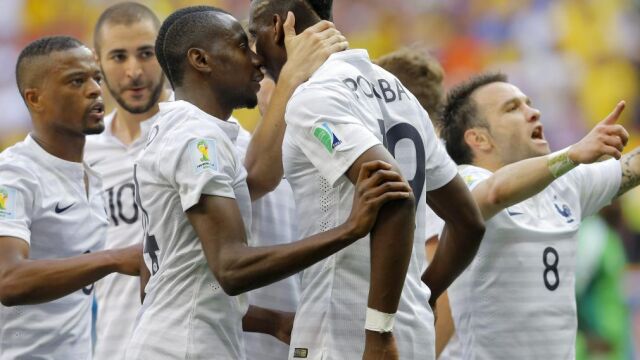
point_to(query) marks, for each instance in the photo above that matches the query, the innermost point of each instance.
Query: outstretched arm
(519, 181)
(26, 282)
(305, 54)
(630, 171)
(239, 267)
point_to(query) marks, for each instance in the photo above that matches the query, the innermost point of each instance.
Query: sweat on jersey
(348, 106)
(117, 295)
(43, 201)
(517, 298)
(186, 314)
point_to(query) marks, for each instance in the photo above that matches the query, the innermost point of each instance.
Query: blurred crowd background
(575, 58)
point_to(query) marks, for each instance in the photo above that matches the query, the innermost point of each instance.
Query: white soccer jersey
(273, 223)
(348, 106)
(517, 298)
(186, 314)
(43, 200)
(117, 295)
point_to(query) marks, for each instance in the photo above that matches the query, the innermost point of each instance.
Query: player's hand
(380, 346)
(310, 49)
(606, 138)
(128, 260)
(376, 185)
(284, 326)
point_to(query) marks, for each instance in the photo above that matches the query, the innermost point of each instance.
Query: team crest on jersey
(563, 209)
(327, 137)
(203, 155)
(7, 203)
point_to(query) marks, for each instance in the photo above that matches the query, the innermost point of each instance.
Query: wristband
(559, 163)
(378, 321)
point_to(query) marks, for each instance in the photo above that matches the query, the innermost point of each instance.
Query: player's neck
(206, 101)
(487, 162)
(61, 144)
(126, 126)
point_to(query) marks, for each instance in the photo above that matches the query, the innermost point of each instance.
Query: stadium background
(574, 58)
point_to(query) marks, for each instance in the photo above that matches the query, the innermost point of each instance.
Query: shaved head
(33, 62)
(183, 30)
(125, 13)
(262, 11)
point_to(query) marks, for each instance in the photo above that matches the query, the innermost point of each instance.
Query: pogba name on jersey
(381, 88)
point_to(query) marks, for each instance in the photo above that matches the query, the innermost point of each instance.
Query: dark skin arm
(26, 282)
(267, 321)
(391, 246)
(239, 267)
(459, 242)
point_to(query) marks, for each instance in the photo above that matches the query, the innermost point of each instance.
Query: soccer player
(124, 40)
(349, 112)
(193, 192)
(52, 218)
(517, 298)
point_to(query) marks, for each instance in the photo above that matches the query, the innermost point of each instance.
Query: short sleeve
(17, 197)
(597, 184)
(440, 169)
(327, 130)
(202, 166)
(473, 175)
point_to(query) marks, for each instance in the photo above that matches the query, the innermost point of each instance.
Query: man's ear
(278, 30)
(478, 139)
(33, 98)
(199, 60)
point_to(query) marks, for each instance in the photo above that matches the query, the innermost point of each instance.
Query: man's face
(262, 31)
(131, 71)
(514, 124)
(236, 69)
(70, 94)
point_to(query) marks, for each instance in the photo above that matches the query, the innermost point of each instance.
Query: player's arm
(238, 267)
(519, 181)
(630, 171)
(267, 321)
(25, 282)
(391, 243)
(306, 52)
(460, 238)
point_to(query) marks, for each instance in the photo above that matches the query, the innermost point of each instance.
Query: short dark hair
(421, 73)
(461, 113)
(179, 32)
(307, 12)
(125, 13)
(324, 8)
(41, 47)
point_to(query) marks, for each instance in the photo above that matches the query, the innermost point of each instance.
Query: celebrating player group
(305, 239)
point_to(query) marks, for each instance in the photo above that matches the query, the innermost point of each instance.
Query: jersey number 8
(550, 259)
